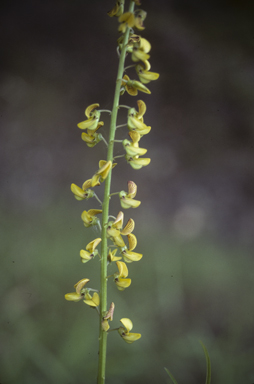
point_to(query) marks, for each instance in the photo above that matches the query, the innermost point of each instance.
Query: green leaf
(171, 376)
(208, 364)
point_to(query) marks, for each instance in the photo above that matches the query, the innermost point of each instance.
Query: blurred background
(195, 225)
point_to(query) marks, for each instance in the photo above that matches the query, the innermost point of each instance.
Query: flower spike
(118, 243)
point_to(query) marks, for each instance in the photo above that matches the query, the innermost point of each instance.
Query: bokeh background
(195, 226)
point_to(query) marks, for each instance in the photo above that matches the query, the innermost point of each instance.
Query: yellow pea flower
(114, 230)
(89, 217)
(92, 301)
(132, 148)
(133, 86)
(120, 277)
(127, 19)
(127, 199)
(144, 75)
(136, 124)
(78, 295)
(118, 9)
(93, 118)
(140, 16)
(111, 256)
(127, 253)
(84, 192)
(92, 137)
(102, 173)
(91, 251)
(137, 162)
(124, 331)
(140, 50)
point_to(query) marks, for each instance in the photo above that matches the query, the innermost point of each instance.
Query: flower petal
(127, 323)
(85, 256)
(73, 296)
(122, 283)
(90, 108)
(132, 189)
(93, 301)
(131, 337)
(129, 256)
(80, 284)
(122, 268)
(132, 241)
(93, 244)
(129, 227)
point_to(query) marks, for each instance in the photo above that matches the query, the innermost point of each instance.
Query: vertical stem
(105, 210)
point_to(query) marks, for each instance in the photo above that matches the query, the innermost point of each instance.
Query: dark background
(195, 225)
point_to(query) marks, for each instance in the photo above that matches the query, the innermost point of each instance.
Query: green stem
(105, 210)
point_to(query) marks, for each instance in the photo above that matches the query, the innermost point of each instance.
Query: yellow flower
(124, 331)
(102, 173)
(135, 123)
(93, 301)
(144, 75)
(84, 192)
(137, 162)
(107, 317)
(127, 199)
(92, 137)
(111, 256)
(118, 9)
(127, 19)
(93, 118)
(127, 253)
(78, 295)
(91, 251)
(120, 277)
(140, 16)
(114, 229)
(140, 50)
(89, 217)
(83, 293)
(132, 148)
(133, 86)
